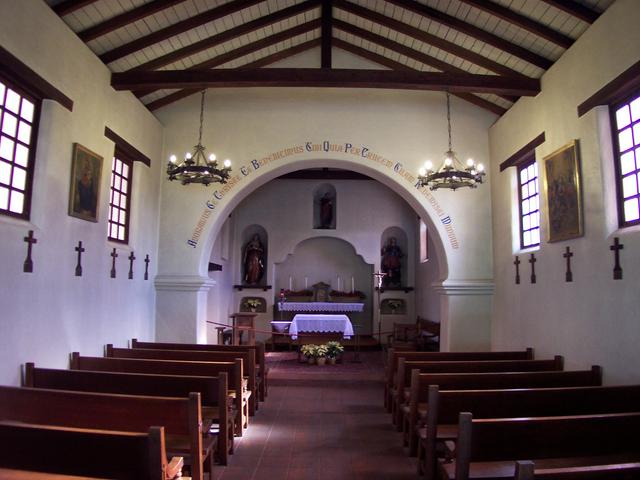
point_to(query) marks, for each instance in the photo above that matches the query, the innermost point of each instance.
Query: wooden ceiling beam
(521, 21)
(268, 60)
(126, 18)
(339, 78)
(576, 9)
(70, 6)
(392, 64)
(176, 29)
(473, 31)
(425, 37)
(327, 35)
(227, 35)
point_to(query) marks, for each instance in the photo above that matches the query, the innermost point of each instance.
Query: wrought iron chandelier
(196, 167)
(451, 173)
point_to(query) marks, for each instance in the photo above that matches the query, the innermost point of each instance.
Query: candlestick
(353, 289)
(306, 283)
(290, 283)
(338, 277)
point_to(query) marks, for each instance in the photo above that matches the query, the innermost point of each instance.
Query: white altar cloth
(319, 307)
(321, 323)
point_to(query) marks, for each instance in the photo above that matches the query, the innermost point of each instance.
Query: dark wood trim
(126, 18)
(613, 91)
(327, 35)
(473, 31)
(70, 6)
(522, 154)
(521, 21)
(176, 29)
(21, 74)
(269, 59)
(576, 9)
(125, 147)
(311, 77)
(392, 64)
(227, 35)
(249, 48)
(425, 37)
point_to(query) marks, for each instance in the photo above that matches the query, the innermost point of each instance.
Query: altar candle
(306, 283)
(338, 277)
(353, 289)
(290, 283)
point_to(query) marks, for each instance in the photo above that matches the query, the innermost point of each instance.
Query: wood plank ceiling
(488, 52)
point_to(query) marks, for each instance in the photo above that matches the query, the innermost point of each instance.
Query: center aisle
(319, 423)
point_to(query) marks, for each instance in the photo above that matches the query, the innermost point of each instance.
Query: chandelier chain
(202, 118)
(449, 118)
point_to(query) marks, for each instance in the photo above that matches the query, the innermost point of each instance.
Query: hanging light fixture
(196, 167)
(451, 173)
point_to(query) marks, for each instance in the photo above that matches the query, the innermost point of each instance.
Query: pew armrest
(174, 468)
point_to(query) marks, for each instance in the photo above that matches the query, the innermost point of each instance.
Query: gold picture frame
(84, 191)
(564, 193)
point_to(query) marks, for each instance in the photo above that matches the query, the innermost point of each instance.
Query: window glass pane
(116, 199)
(629, 186)
(526, 222)
(9, 124)
(631, 211)
(2, 92)
(4, 198)
(523, 176)
(525, 191)
(120, 233)
(526, 238)
(125, 170)
(22, 155)
(535, 236)
(535, 220)
(124, 185)
(525, 207)
(19, 178)
(635, 109)
(13, 101)
(623, 117)
(123, 217)
(118, 167)
(16, 204)
(627, 163)
(5, 173)
(535, 203)
(27, 110)
(6, 148)
(625, 140)
(24, 133)
(636, 134)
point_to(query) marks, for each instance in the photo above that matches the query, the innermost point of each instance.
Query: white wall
(50, 312)
(594, 319)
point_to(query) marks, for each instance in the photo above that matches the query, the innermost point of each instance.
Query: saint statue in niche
(391, 264)
(253, 261)
(326, 210)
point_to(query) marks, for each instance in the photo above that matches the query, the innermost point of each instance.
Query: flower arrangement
(334, 349)
(307, 350)
(252, 303)
(320, 351)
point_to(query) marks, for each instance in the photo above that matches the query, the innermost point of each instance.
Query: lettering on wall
(346, 149)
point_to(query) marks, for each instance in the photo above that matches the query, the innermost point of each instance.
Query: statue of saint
(391, 265)
(326, 211)
(253, 261)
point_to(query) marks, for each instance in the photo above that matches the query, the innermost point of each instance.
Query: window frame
(526, 162)
(614, 106)
(25, 93)
(119, 155)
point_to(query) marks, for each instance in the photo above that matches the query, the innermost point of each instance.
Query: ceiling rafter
(119, 21)
(268, 60)
(425, 37)
(387, 62)
(327, 35)
(576, 9)
(521, 21)
(70, 6)
(176, 29)
(250, 48)
(473, 31)
(228, 35)
(320, 77)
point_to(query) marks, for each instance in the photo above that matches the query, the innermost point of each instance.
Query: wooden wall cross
(617, 269)
(517, 262)
(533, 261)
(79, 249)
(568, 276)
(114, 255)
(146, 267)
(28, 262)
(131, 259)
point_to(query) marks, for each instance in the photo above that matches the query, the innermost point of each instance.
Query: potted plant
(320, 354)
(334, 349)
(252, 304)
(308, 352)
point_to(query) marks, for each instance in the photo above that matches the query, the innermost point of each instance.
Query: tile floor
(324, 422)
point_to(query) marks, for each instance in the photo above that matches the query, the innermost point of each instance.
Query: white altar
(331, 307)
(321, 323)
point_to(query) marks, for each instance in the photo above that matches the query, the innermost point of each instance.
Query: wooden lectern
(243, 321)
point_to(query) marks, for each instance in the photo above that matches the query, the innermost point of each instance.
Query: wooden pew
(403, 375)
(96, 453)
(416, 405)
(393, 356)
(213, 392)
(174, 367)
(488, 448)
(180, 417)
(525, 470)
(259, 347)
(248, 358)
(444, 408)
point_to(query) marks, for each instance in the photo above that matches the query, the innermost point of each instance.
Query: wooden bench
(96, 453)
(213, 392)
(444, 408)
(394, 355)
(525, 470)
(180, 417)
(248, 358)
(174, 367)
(488, 448)
(400, 392)
(416, 405)
(259, 347)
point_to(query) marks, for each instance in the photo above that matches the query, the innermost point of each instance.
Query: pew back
(525, 470)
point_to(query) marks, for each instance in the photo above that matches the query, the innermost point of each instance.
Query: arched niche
(255, 247)
(394, 257)
(325, 207)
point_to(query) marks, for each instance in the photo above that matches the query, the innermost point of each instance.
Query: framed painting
(86, 173)
(564, 197)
